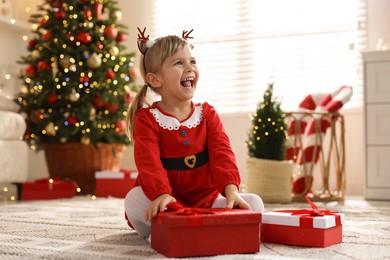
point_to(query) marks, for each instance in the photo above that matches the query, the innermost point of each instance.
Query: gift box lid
(122, 174)
(50, 183)
(288, 219)
(311, 218)
(212, 217)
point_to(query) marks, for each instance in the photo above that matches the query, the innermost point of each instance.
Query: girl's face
(178, 76)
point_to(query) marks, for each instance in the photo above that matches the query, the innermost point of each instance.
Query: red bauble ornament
(43, 22)
(129, 96)
(51, 98)
(110, 74)
(36, 116)
(57, 4)
(84, 37)
(87, 13)
(99, 46)
(27, 135)
(120, 127)
(60, 15)
(70, 37)
(47, 36)
(32, 43)
(97, 102)
(133, 73)
(30, 70)
(110, 32)
(98, 8)
(43, 65)
(112, 108)
(83, 79)
(72, 120)
(121, 37)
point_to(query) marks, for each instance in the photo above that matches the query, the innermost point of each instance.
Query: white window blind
(303, 46)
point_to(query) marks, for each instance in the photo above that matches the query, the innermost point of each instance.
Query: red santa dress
(191, 159)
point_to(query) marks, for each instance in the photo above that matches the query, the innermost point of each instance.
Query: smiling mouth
(188, 82)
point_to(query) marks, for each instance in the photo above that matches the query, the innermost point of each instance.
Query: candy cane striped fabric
(308, 154)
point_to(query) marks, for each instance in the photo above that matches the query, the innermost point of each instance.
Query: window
(303, 46)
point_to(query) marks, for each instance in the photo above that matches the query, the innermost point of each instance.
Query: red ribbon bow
(307, 215)
(176, 208)
(314, 211)
(179, 209)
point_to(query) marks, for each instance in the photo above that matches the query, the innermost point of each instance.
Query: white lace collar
(171, 123)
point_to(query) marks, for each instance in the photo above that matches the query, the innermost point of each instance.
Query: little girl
(181, 150)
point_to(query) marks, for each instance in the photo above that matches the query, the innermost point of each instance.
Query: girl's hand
(158, 205)
(233, 199)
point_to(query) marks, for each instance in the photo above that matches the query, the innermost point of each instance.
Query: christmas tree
(77, 79)
(268, 131)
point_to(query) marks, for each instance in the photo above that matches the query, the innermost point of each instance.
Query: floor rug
(85, 228)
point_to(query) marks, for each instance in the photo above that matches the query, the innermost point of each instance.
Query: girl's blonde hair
(152, 61)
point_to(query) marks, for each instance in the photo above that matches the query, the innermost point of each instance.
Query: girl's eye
(178, 63)
(193, 62)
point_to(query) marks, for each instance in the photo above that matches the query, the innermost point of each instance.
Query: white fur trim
(171, 123)
(149, 43)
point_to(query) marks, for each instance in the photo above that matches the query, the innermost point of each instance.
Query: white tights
(136, 203)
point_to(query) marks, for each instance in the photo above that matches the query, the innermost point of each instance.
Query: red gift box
(48, 188)
(192, 232)
(307, 227)
(114, 183)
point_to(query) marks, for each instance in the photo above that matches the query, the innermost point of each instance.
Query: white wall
(137, 13)
(378, 21)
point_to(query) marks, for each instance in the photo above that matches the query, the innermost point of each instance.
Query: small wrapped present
(307, 227)
(189, 232)
(114, 183)
(48, 188)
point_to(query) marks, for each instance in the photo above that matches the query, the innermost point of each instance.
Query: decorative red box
(114, 183)
(48, 188)
(192, 232)
(307, 227)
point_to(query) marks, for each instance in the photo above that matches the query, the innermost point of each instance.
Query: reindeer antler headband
(145, 42)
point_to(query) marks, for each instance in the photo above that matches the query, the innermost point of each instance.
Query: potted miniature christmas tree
(268, 174)
(77, 85)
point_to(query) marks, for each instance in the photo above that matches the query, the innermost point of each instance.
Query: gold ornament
(50, 129)
(94, 61)
(117, 15)
(114, 51)
(35, 54)
(92, 113)
(65, 61)
(74, 96)
(85, 140)
(54, 68)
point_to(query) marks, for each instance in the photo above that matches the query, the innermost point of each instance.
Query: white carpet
(82, 228)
